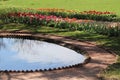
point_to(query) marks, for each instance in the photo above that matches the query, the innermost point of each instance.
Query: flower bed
(92, 15)
(45, 20)
(89, 15)
(59, 22)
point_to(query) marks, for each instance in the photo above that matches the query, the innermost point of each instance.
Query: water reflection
(21, 54)
(2, 44)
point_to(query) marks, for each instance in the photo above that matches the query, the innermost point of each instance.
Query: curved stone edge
(59, 68)
(29, 35)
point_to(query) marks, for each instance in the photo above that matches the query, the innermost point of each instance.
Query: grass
(113, 72)
(82, 5)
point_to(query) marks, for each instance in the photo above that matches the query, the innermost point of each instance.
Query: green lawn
(102, 5)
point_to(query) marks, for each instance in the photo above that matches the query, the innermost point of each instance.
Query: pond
(23, 54)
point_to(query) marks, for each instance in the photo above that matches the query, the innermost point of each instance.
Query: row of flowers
(56, 10)
(89, 15)
(73, 11)
(92, 14)
(59, 22)
(47, 17)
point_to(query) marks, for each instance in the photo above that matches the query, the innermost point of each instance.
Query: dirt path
(100, 60)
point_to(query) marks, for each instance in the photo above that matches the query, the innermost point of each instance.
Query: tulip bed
(89, 15)
(92, 14)
(49, 17)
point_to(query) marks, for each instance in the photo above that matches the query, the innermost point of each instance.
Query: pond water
(23, 54)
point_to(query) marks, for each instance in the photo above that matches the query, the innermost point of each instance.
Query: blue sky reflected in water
(21, 54)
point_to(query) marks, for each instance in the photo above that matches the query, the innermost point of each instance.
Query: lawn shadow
(17, 27)
(112, 43)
